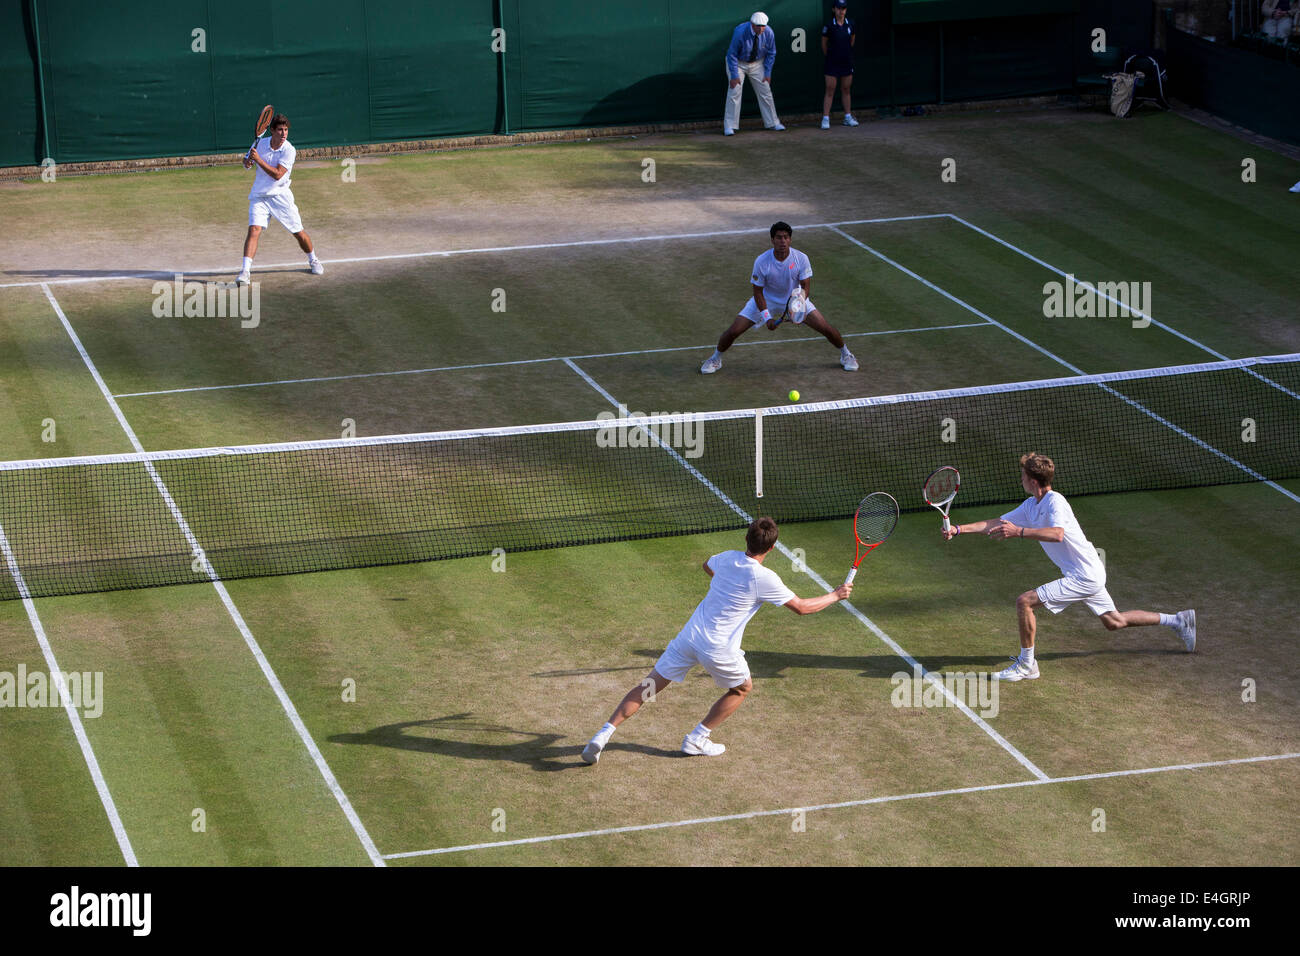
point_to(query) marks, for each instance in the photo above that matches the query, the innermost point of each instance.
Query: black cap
(839, 3)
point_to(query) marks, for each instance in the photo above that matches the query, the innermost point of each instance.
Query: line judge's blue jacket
(742, 49)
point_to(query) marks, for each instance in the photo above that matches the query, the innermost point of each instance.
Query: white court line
(1157, 323)
(952, 298)
(280, 693)
(1074, 368)
(446, 253)
(78, 730)
(536, 361)
(952, 699)
(788, 811)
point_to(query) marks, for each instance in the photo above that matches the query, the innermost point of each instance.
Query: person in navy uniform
(837, 47)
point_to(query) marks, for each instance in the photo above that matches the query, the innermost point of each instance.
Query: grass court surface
(475, 689)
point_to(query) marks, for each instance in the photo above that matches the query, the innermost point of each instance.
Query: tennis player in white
(1046, 517)
(270, 196)
(776, 274)
(711, 638)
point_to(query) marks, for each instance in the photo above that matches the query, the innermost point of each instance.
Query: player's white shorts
(1061, 593)
(680, 657)
(751, 311)
(279, 205)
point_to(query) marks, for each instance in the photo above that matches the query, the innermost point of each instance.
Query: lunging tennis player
(711, 638)
(1046, 517)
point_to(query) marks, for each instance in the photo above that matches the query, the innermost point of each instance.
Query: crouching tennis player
(1046, 517)
(711, 638)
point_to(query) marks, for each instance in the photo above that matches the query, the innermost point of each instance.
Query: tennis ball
(794, 396)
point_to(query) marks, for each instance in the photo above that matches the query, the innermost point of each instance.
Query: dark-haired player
(711, 638)
(776, 274)
(273, 156)
(1046, 517)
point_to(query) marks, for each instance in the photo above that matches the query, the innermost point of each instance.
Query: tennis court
(432, 713)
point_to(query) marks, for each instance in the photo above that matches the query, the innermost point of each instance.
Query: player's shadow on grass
(92, 273)
(769, 665)
(167, 275)
(539, 751)
(995, 662)
(583, 671)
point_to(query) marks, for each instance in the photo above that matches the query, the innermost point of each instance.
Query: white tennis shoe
(847, 360)
(826, 122)
(243, 278)
(701, 747)
(1018, 670)
(317, 267)
(778, 128)
(710, 365)
(849, 120)
(1185, 628)
(591, 752)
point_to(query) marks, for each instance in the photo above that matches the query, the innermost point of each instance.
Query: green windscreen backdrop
(619, 61)
(136, 79)
(929, 11)
(19, 110)
(1227, 82)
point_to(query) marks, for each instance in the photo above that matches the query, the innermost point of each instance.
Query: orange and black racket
(875, 520)
(263, 122)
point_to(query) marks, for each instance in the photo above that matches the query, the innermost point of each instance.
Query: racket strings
(798, 303)
(876, 518)
(941, 486)
(938, 491)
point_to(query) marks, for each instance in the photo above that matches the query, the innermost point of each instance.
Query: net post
(758, 453)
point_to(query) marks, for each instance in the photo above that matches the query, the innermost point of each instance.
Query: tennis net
(74, 525)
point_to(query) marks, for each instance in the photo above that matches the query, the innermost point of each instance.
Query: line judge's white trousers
(766, 105)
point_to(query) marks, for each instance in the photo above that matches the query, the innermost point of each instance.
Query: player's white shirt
(1075, 555)
(778, 279)
(740, 586)
(264, 185)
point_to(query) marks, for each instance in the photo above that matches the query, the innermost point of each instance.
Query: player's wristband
(957, 530)
(765, 315)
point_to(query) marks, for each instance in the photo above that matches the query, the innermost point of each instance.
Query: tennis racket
(263, 121)
(940, 488)
(795, 307)
(874, 521)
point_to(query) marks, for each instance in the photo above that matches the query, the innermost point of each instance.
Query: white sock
(717, 355)
(311, 256)
(844, 350)
(1169, 620)
(700, 731)
(826, 117)
(606, 731)
(248, 263)
(1027, 655)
